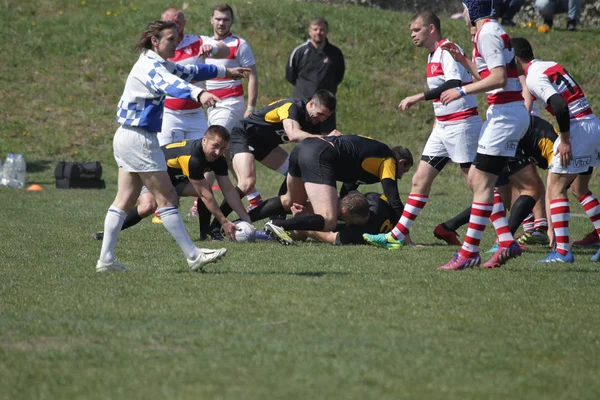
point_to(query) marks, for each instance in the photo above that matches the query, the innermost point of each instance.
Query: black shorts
(242, 142)
(179, 182)
(313, 160)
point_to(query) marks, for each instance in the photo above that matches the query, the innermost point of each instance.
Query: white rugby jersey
(240, 55)
(150, 80)
(187, 53)
(441, 67)
(547, 78)
(492, 49)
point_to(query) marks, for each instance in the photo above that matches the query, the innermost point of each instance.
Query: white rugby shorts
(182, 125)
(227, 112)
(137, 150)
(456, 140)
(585, 147)
(505, 126)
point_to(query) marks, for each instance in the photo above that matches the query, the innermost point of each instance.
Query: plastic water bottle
(19, 174)
(8, 170)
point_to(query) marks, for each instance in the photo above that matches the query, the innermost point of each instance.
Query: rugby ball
(246, 232)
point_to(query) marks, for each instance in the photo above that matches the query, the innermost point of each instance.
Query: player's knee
(146, 208)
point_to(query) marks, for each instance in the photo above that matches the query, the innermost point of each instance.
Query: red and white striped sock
(414, 206)
(498, 218)
(541, 224)
(590, 204)
(528, 224)
(254, 198)
(560, 215)
(480, 215)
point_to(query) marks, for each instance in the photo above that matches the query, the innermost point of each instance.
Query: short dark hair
(428, 18)
(154, 29)
(325, 98)
(355, 205)
(223, 7)
(522, 49)
(319, 21)
(217, 130)
(402, 153)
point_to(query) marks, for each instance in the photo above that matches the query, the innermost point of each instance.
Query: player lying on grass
(358, 214)
(187, 162)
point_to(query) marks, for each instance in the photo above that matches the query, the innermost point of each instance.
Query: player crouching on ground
(316, 164)
(187, 162)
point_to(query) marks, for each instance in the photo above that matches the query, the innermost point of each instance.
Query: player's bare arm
(237, 73)
(205, 194)
(294, 131)
(495, 80)
(252, 91)
(232, 197)
(410, 101)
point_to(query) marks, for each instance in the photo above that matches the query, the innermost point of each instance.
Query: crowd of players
(496, 156)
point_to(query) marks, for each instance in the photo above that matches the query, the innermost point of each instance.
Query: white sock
(112, 227)
(173, 223)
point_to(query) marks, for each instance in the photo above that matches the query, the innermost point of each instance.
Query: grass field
(268, 322)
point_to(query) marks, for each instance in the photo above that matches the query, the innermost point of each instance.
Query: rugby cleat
(215, 234)
(98, 235)
(591, 239)
(503, 254)
(102, 266)
(494, 248)
(447, 236)
(459, 262)
(538, 236)
(555, 256)
(206, 256)
(279, 234)
(596, 257)
(383, 240)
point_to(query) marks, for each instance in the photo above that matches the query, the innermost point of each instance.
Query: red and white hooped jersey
(441, 67)
(187, 53)
(492, 49)
(547, 78)
(240, 55)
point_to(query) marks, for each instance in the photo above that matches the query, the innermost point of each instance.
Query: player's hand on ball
(229, 228)
(335, 132)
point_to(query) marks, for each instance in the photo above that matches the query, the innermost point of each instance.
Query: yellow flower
(108, 12)
(83, 3)
(61, 12)
(25, 133)
(32, 23)
(115, 14)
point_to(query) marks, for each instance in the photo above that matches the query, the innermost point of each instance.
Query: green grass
(267, 322)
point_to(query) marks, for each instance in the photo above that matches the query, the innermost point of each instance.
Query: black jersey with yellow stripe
(538, 142)
(187, 158)
(362, 159)
(381, 220)
(268, 121)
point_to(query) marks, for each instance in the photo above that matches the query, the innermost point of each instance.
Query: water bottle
(20, 169)
(8, 169)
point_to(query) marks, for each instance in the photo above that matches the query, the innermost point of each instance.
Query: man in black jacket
(314, 65)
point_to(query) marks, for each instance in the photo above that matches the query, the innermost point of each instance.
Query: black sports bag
(86, 175)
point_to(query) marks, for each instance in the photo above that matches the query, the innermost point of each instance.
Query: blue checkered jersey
(150, 80)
